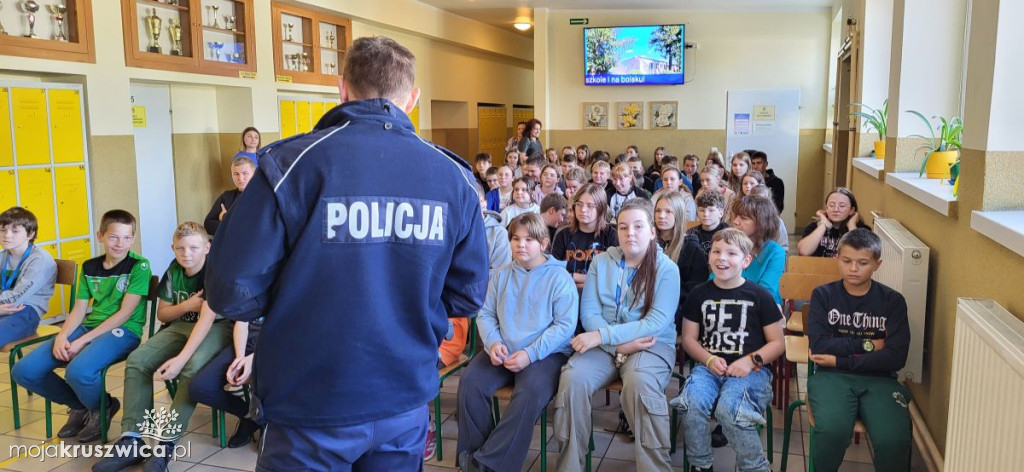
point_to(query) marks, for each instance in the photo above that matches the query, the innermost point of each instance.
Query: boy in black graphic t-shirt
(859, 341)
(731, 327)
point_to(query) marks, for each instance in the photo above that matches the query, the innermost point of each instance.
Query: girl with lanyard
(627, 308)
(27, 276)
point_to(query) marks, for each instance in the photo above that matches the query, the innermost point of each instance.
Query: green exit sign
(579, 21)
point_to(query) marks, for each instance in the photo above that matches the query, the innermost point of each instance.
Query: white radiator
(986, 416)
(905, 269)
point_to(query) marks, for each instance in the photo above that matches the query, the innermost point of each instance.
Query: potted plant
(875, 119)
(942, 151)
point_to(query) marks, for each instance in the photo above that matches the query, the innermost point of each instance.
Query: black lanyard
(7, 282)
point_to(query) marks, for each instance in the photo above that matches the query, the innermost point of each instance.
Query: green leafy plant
(949, 137)
(875, 118)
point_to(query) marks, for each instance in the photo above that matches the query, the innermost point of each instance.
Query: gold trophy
(58, 11)
(175, 31)
(153, 23)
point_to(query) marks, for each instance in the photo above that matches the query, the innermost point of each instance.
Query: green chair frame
(67, 274)
(443, 374)
(543, 431)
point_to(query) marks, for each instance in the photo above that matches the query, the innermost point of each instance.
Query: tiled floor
(612, 452)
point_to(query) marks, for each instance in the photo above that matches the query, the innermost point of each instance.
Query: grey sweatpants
(644, 378)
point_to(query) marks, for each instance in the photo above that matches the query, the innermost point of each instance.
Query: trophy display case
(309, 46)
(201, 36)
(47, 29)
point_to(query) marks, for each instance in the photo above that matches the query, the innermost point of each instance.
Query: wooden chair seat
(813, 265)
(858, 426)
(42, 332)
(795, 323)
(444, 371)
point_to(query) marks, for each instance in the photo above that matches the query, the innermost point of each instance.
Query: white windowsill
(827, 148)
(1004, 227)
(870, 165)
(933, 193)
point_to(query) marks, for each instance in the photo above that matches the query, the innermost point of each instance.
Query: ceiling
(502, 13)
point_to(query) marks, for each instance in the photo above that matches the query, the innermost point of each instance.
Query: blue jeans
(19, 325)
(741, 407)
(393, 443)
(80, 387)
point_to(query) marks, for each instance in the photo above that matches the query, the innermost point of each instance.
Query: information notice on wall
(138, 116)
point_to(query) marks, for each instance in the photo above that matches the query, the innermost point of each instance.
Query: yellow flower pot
(939, 162)
(880, 149)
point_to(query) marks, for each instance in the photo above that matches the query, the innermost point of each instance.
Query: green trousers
(837, 400)
(144, 361)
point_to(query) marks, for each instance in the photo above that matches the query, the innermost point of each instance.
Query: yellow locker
(57, 306)
(287, 118)
(317, 110)
(8, 197)
(72, 201)
(66, 126)
(79, 251)
(31, 137)
(36, 189)
(414, 117)
(302, 117)
(6, 145)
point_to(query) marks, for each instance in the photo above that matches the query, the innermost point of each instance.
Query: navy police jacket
(357, 241)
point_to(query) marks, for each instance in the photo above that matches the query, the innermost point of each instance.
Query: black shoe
(91, 431)
(76, 421)
(159, 463)
(245, 433)
(127, 444)
(718, 438)
(694, 468)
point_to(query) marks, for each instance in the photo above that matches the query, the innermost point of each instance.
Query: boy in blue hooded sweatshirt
(628, 312)
(526, 322)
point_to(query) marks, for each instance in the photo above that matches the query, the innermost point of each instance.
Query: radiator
(986, 416)
(905, 269)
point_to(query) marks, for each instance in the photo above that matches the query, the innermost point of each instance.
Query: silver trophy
(216, 22)
(288, 31)
(58, 12)
(31, 7)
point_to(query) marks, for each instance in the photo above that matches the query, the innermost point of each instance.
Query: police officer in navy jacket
(357, 241)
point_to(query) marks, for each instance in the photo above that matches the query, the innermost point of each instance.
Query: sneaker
(245, 433)
(159, 463)
(76, 421)
(91, 431)
(127, 444)
(431, 448)
(694, 468)
(718, 438)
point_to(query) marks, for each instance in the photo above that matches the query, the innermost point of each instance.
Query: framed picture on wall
(630, 115)
(595, 115)
(664, 115)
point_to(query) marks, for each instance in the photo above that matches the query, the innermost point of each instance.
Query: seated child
(242, 170)
(548, 183)
(568, 162)
(691, 179)
(840, 215)
(600, 173)
(522, 200)
(191, 336)
(553, 210)
(116, 283)
(481, 164)
(501, 197)
(711, 181)
(672, 179)
(859, 340)
(525, 323)
(731, 328)
(27, 276)
(759, 162)
(623, 188)
(642, 181)
(574, 179)
(588, 234)
(491, 177)
(710, 211)
(758, 219)
(513, 159)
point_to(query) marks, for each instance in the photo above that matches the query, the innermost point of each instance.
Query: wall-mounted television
(633, 55)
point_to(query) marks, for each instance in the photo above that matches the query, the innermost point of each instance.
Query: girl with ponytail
(627, 309)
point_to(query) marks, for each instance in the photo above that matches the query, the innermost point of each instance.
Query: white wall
(737, 50)
(875, 55)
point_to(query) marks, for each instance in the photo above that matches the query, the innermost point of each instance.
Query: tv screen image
(634, 55)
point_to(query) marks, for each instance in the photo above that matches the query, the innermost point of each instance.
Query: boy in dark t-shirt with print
(191, 336)
(731, 327)
(859, 339)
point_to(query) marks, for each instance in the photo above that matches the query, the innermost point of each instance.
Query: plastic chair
(67, 274)
(445, 372)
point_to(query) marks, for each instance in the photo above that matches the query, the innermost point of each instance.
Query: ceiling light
(522, 26)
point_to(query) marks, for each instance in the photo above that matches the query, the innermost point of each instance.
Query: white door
(769, 121)
(154, 168)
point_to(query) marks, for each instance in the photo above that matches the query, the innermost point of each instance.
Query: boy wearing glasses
(242, 169)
